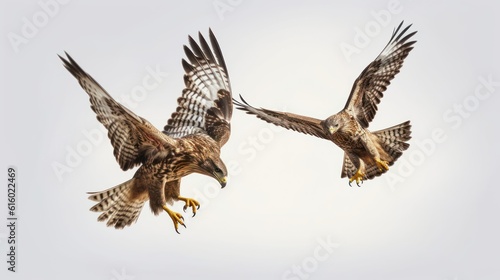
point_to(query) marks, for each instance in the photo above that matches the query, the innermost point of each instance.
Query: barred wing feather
(134, 139)
(206, 100)
(369, 87)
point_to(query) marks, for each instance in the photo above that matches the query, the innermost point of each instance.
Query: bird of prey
(189, 143)
(367, 154)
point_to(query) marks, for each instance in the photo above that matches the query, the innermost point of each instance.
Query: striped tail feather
(119, 206)
(393, 142)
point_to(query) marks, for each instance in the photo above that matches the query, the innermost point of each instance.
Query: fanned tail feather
(392, 140)
(119, 207)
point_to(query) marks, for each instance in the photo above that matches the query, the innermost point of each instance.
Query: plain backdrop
(285, 213)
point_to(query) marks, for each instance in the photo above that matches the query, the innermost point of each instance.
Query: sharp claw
(190, 203)
(176, 218)
(360, 181)
(357, 177)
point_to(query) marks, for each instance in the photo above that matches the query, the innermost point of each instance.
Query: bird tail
(393, 140)
(119, 205)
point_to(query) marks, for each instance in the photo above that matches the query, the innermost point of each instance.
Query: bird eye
(217, 169)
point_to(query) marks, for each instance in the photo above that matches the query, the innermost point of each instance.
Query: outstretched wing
(373, 81)
(291, 121)
(134, 139)
(205, 105)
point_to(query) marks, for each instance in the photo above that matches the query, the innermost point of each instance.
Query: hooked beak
(332, 129)
(222, 181)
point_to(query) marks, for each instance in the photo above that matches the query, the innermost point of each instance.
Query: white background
(434, 215)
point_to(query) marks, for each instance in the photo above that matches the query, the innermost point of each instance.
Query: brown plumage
(367, 154)
(189, 143)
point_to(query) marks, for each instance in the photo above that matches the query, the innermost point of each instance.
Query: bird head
(215, 168)
(204, 157)
(334, 123)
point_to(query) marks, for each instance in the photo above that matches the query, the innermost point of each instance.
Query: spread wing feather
(133, 138)
(205, 104)
(373, 81)
(303, 124)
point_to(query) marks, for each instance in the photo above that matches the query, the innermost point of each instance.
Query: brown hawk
(367, 154)
(190, 142)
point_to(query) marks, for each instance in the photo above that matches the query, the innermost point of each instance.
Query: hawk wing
(303, 124)
(134, 139)
(205, 104)
(372, 82)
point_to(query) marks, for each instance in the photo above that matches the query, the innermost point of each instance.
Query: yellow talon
(190, 203)
(358, 177)
(382, 164)
(176, 218)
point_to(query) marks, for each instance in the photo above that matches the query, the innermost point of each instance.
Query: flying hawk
(367, 154)
(190, 142)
